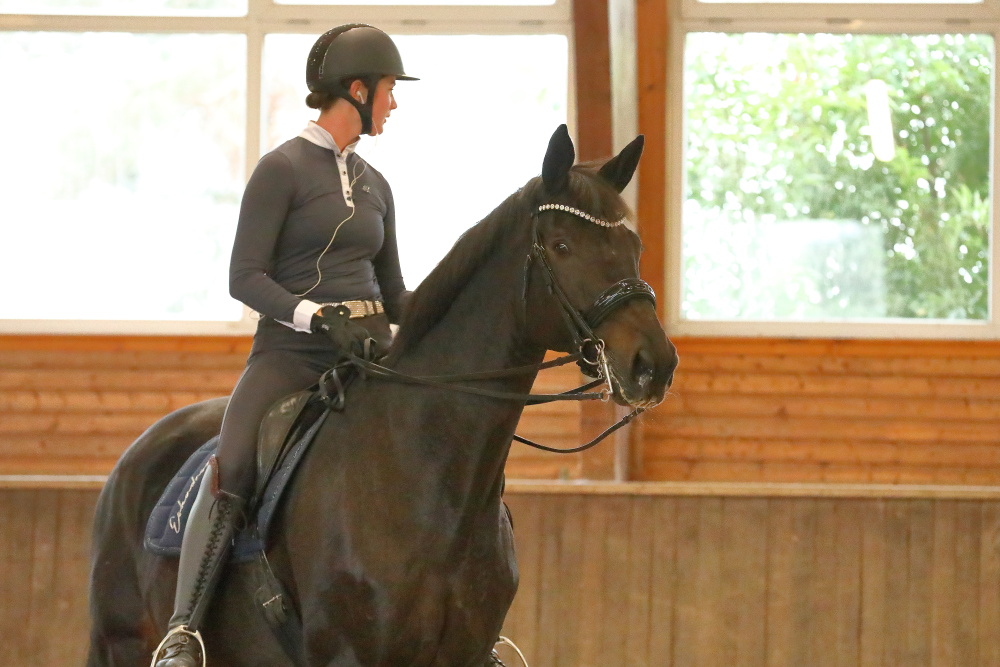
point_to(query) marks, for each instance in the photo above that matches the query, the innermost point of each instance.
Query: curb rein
(590, 353)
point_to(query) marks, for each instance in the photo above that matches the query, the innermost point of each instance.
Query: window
(128, 140)
(835, 178)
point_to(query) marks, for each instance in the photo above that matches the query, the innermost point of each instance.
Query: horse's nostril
(643, 369)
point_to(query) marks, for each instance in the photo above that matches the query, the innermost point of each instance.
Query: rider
(315, 254)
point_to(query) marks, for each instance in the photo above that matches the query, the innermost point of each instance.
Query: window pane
(837, 176)
(500, 3)
(467, 135)
(120, 183)
(841, 2)
(126, 7)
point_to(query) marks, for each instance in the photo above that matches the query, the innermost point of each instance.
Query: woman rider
(315, 254)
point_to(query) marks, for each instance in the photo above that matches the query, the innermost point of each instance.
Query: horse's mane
(434, 296)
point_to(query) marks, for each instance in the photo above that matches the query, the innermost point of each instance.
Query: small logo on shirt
(366, 188)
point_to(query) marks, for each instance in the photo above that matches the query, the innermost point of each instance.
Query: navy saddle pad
(165, 527)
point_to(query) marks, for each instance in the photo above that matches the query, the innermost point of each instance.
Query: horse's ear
(559, 157)
(618, 170)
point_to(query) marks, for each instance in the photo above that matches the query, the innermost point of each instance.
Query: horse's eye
(562, 248)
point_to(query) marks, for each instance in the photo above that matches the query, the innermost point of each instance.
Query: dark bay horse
(393, 542)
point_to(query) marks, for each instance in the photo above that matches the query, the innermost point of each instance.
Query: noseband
(581, 324)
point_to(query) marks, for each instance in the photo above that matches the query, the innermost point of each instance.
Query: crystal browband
(577, 212)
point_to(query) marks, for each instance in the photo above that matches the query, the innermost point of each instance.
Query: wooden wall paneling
(822, 586)
(637, 608)
(968, 522)
(43, 566)
(805, 578)
(71, 405)
(614, 581)
(989, 586)
(591, 585)
(944, 621)
(743, 582)
(921, 571)
(74, 526)
(688, 598)
(846, 411)
(847, 550)
(709, 580)
(664, 582)
(632, 580)
(549, 618)
(780, 586)
(895, 621)
(567, 527)
(873, 580)
(16, 524)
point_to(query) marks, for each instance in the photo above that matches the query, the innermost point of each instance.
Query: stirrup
(180, 629)
(496, 656)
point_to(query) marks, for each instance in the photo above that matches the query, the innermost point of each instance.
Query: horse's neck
(482, 329)
(480, 332)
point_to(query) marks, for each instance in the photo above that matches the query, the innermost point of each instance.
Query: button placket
(345, 183)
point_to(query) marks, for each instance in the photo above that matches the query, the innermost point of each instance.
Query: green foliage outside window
(778, 130)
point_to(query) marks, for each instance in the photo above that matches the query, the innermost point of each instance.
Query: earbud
(360, 98)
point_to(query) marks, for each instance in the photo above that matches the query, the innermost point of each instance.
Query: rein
(590, 349)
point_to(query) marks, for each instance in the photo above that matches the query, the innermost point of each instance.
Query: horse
(392, 542)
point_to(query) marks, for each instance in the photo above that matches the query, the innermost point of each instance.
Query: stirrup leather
(180, 630)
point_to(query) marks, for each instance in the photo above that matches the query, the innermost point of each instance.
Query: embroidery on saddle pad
(165, 527)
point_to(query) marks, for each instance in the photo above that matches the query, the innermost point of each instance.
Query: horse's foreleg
(123, 651)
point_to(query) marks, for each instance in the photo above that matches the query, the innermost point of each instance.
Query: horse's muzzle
(642, 363)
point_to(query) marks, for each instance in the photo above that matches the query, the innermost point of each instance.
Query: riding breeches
(281, 362)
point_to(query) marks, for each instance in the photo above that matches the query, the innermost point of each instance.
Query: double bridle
(590, 353)
(581, 324)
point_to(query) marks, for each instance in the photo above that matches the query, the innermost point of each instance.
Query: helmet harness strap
(364, 108)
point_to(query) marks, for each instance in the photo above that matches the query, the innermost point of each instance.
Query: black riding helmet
(353, 51)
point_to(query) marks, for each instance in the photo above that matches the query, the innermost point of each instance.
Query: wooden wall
(648, 575)
(71, 405)
(747, 409)
(914, 412)
(756, 580)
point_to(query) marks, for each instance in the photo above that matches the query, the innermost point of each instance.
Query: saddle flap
(274, 430)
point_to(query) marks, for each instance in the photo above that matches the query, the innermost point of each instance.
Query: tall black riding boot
(204, 551)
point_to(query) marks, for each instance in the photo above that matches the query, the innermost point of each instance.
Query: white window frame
(266, 17)
(687, 16)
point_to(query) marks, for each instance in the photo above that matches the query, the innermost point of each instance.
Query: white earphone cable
(319, 271)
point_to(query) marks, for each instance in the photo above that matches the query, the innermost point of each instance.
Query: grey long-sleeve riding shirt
(316, 225)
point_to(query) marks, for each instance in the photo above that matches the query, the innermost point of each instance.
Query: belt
(359, 307)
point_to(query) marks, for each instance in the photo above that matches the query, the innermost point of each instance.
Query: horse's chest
(457, 612)
(414, 599)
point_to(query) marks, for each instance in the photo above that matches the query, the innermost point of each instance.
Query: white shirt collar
(317, 135)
